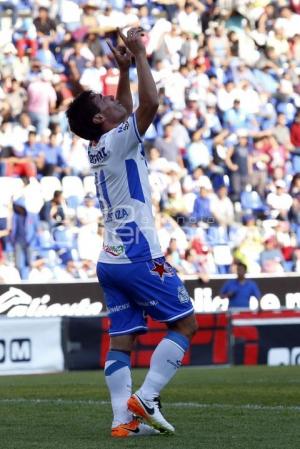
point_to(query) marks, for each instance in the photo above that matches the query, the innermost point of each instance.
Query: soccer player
(132, 271)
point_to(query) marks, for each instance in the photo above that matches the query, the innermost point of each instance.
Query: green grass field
(255, 407)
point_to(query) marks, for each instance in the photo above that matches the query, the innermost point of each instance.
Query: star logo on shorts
(161, 270)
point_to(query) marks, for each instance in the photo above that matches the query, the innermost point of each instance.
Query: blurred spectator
(54, 211)
(54, 161)
(239, 163)
(295, 185)
(222, 208)
(77, 60)
(24, 237)
(280, 201)
(25, 37)
(271, 258)
(188, 17)
(175, 205)
(45, 26)
(218, 44)
(240, 290)
(88, 214)
(21, 161)
(5, 225)
(40, 272)
(76, 157)
(281, 132)
(294, 216)
(166, 145)
(236, 118)
(227, 126)
(197, 153)
(91, 78)
(16, 98)
(63, 98)
(248, 240)
(32, 152)
(191, 262)
(41, 100)
(295, 140)
(202, 207)
(89, 17)
(260, 160)
(8, 273)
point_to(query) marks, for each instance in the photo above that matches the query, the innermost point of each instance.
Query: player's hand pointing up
(134, 40)
(122, 56)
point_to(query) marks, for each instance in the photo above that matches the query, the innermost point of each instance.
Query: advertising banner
(40, 345)
(29, 346)
(268, 338)
(86, 298)
(245, 338)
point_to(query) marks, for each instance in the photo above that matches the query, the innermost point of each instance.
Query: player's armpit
(144, 118)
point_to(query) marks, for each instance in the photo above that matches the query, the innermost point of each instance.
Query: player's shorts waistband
(158, 258)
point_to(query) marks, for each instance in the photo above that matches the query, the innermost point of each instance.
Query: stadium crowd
(223, 152)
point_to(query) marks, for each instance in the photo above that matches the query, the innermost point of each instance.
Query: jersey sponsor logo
(119, 308)
(123, 127)
(161, 269)
(114, 250)
(150, 303)
(183, 295)
(97, 157)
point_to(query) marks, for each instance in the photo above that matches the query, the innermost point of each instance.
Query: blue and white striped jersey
(123, 190)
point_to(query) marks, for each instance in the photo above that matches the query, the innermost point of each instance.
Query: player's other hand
(134, 40)
(122, 55)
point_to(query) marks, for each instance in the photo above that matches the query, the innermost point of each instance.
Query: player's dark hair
(80, 115)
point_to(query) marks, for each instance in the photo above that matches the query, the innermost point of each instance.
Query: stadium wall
(40, 345)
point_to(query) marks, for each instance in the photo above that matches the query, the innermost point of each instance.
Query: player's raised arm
(148, 97)
(123, 59)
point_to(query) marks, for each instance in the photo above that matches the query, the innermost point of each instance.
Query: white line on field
(167, 404)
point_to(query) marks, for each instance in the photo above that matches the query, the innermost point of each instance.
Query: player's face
(111, 109)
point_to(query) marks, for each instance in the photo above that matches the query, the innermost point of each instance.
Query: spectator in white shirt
(280, 201)
(91, 78)
(222, 207)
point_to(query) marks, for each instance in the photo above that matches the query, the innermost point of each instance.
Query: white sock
(165, 361)
(118, 379)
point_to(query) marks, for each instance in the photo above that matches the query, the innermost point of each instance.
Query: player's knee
(123, 342)
(186, 326)
(192, 326)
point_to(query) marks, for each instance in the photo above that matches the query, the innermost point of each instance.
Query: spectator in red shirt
(295, 139)
(295, 5)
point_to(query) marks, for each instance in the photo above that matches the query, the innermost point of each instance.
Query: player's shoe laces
(133, 429)
(150, 412)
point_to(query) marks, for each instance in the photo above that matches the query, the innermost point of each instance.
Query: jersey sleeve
(126, 135)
